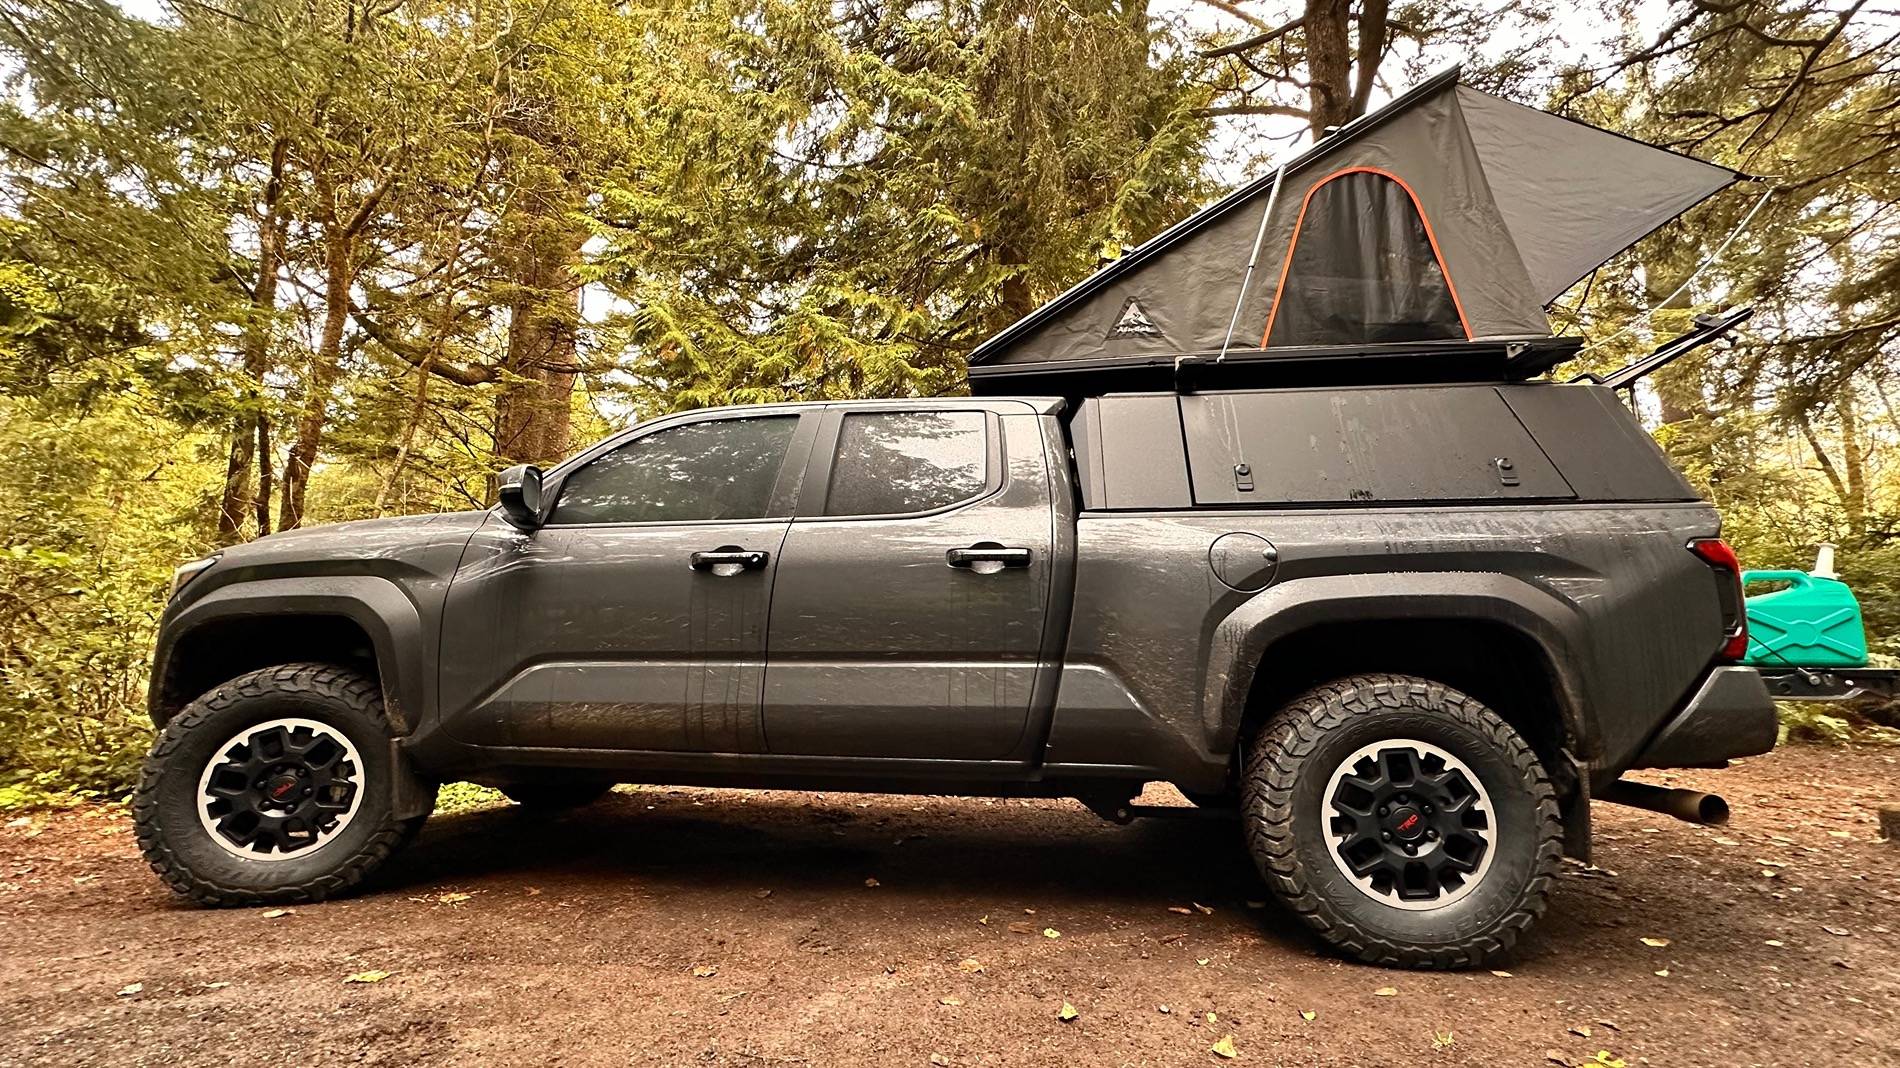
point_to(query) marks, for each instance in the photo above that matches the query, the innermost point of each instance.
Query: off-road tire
(164, 808)
(548, 797)
(1289, 763)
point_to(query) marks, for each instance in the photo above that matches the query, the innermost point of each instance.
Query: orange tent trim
(1299, 223)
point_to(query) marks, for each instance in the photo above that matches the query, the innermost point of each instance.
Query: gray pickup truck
(1406, 632)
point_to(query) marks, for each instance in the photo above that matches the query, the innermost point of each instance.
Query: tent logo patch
(1133, 322)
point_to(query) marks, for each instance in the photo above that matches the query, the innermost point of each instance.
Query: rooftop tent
(1447, 217)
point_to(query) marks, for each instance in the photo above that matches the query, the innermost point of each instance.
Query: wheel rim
(1409, 824)
(280, 790)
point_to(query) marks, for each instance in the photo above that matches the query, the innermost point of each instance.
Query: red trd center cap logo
(281, 787)
(1406, 823)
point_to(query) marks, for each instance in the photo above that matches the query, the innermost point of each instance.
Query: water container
(1815, 622)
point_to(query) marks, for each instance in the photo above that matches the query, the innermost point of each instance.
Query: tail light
(1728, 578)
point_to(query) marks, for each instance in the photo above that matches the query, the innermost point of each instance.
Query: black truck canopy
(1447, 218)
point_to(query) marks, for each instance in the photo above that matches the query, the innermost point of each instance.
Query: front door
(634, 619)
(907, 614)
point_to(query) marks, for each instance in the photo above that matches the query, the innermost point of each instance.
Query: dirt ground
(686, 927)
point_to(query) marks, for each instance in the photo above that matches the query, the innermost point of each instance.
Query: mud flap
(409, 794)
(1576, 809)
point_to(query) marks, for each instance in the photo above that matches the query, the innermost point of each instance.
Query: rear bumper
(1730, 715)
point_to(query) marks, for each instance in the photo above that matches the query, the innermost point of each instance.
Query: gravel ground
(754, 928)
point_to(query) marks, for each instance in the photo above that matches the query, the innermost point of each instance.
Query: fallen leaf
(1225, 1048)
(1211, 1018)
(1719, 840)
(1770, 873)
(1838, 932)
(1203, 961)
(134, 988)
(1775, 942)
(705, 971)
(18, 822)
(1050, 932)
(872, 881)
(1655, 943)
(1443, 1041)
(1603, 1058)
(1164, 1010)
(275, 913)
(984, 920)
(455, 898)
(951, 1000)
(1386, 992)
(970, 964)
(940, 1060)
(1580, 1032)
(1181, 909)
(1502, 974)
(1308, 1015)
(371, 976)
(762, 894)
(1204, 910)
(535, 891)
(1067, 1012)
(1557, 1057)
(219, 985)
(1664, 972)
(1840, 834)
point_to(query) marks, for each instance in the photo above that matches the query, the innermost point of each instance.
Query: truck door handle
(729, 560)
(987, 554)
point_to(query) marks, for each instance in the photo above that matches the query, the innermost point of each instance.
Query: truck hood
(363, 539)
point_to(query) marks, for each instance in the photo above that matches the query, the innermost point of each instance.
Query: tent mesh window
(1362, 268)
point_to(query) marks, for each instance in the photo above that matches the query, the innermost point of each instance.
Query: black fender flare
(1240, 641)
(378, 606)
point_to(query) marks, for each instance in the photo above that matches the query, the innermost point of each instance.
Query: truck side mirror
(519, 488)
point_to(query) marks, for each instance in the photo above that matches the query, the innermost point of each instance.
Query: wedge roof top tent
(1418, 243)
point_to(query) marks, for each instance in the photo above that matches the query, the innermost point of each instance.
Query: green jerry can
(1814, 623)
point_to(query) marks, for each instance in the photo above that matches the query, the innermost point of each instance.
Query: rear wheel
(556, 797)
(1403, 820)
(274, 787)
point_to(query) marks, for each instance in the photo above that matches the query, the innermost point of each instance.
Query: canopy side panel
(1572, 195)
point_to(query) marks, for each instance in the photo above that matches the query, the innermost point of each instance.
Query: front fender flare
(1241, 640)
(375, 604)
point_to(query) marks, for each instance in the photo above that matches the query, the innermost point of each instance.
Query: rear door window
(901, 463)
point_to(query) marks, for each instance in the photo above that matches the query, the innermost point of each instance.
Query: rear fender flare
(1241, 641)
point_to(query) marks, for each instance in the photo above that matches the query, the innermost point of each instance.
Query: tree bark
(325, 365)
(1853, 463)
(532, 413)
(1328, 63)
(248, 433)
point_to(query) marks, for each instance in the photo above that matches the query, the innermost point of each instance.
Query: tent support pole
(1273, 197)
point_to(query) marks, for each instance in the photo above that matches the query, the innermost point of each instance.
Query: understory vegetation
(265, 264)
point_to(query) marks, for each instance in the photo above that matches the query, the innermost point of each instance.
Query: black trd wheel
(274, 787)
(556, 797)
(1403, 820)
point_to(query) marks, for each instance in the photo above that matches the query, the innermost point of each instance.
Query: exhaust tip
(1712, 810)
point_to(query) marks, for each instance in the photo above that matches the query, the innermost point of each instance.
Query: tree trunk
(1853, 463)
(1328, 63)
(532, 413)
(247, 429)
(325, 365)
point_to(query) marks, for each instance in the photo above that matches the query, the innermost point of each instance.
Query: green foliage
(454, 797)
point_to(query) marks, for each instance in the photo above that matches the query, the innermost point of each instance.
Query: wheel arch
(361, 622)
(1508, 644)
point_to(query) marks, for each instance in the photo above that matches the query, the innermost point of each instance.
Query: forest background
(267, 263)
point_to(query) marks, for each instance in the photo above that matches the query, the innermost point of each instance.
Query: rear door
(635, 618)
(908, 609)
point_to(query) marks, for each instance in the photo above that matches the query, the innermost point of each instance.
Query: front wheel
(1403, 820)
(274, 787)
